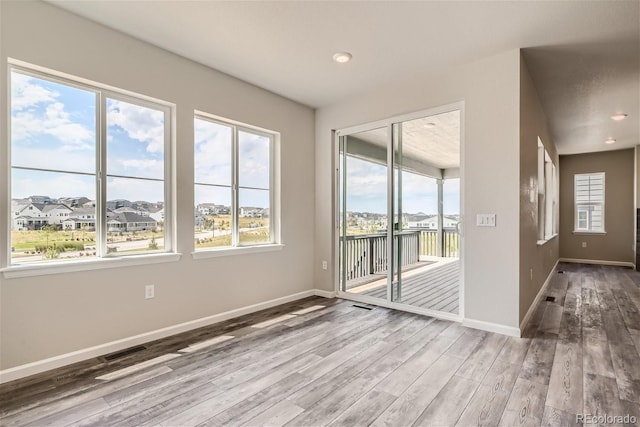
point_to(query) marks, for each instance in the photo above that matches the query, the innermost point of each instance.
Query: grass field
(253, 230)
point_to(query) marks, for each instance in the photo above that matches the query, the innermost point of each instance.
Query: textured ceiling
(286, 47)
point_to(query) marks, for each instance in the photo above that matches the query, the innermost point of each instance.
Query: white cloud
(25, 93)
(213, 153)
(254, 160)
(147, 168)
(38, 111)
(135, 189)
(140, 123)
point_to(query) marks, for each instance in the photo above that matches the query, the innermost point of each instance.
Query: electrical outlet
(324, 265)
(149, 291)
(584, 244)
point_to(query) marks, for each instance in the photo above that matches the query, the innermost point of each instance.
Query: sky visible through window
(367, 190)
(213, 165)
(53, 127)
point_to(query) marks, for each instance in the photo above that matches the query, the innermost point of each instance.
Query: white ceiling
(286, 47)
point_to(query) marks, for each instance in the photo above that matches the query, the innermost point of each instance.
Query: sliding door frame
(389, 124)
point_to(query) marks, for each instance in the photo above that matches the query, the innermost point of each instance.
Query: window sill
(213, 253)
(30, 270)
(546, 239)
(590, 233)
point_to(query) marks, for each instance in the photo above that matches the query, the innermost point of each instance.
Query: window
(88, 171)
(547, 195)
(589, 202)
(233, 184)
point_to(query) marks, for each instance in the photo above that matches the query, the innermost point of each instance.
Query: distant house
(431, 222)
(157, 213)
(250, 212)
(118, 203)
(136, 210)
(130, 221)
(199, 219)
(207, 209)
(73, 201)
(16, 206)
(83, 218)
(34, 216)
(39, 199)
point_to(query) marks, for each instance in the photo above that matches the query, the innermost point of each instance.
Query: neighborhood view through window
(232, 185)
(59, 201)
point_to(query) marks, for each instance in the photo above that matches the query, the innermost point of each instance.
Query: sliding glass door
(399, 212)
(363, 213)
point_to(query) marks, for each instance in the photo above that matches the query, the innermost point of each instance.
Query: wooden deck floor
(319, 362)
(435, 286)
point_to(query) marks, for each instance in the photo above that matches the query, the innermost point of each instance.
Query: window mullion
(169, 183)
(235, 199)
(272, 175)
(101, 161)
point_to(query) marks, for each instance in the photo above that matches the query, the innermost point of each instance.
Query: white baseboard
(324, 294)
(491, 327)
(599, 262)
(536, 300)
(110, 347)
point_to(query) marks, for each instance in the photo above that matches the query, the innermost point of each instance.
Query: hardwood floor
(327, 362)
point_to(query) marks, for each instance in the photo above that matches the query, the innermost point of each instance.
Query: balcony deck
(434, 286)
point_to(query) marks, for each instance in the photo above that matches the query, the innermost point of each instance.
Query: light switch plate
(486, 220)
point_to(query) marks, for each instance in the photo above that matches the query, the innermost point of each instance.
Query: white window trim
(547, 239)
(61, 267)
(588, 231)
(546, 196)
(102, 93)
(274, 190)
(237, 250)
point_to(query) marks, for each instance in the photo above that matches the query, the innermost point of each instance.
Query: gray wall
(490, 167)
(536, 261)
(45, 316)
(617, 244)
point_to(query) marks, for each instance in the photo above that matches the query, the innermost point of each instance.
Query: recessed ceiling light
(429, 125)
(342, 57)
(618, 117)
(610, 141)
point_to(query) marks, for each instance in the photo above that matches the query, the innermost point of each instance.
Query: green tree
(52, 251)
(153, 245)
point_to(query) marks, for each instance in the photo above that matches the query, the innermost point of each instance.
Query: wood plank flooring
(435, 287)
(317, 362)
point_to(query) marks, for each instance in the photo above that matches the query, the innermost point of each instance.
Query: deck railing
(450, 243)
(367, 254)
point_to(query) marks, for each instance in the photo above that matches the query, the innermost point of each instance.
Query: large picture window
(233, 185)
(88, 171)
(589, 202)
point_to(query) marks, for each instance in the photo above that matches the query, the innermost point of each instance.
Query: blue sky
(367, 190)
(53, 127)
(213, 152)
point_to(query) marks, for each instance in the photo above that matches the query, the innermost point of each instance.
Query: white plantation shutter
(589, 202)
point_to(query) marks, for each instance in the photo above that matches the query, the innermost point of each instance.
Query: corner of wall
(536, 261)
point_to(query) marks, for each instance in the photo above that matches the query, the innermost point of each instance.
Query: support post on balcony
(372, 257)
(440, 251)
